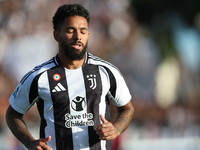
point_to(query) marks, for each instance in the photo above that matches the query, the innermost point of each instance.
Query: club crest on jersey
(78, 103)
(56, 77)
(92, 79)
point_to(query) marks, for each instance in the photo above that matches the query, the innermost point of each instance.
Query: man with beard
(54, 86)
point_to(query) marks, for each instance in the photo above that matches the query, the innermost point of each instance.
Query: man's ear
(56, 35)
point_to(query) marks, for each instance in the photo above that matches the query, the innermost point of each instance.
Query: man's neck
(68, 63)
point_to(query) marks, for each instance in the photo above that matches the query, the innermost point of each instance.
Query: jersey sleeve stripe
(113, 83)
(33, 94)
(90, 56)
(34, 70)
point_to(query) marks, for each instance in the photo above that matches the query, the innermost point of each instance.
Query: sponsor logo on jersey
(78, 103)
(79, 120)
(56, 77)
(59, 87)
(92, 79)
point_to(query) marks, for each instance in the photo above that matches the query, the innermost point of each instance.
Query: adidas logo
(59, 87)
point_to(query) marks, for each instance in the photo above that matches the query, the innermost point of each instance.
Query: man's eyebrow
(70, 28)
(82, 28)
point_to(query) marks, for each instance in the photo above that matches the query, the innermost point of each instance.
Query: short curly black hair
(68, 10)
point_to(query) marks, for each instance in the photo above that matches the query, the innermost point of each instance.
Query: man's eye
(70, 30)
(83, 31)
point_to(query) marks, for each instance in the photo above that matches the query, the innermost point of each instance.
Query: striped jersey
(70, 101)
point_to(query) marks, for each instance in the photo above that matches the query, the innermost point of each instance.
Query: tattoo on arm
(124, 118)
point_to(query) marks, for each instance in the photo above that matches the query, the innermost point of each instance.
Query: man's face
(73, 37)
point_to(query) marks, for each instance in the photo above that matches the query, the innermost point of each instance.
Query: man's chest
(76, 88)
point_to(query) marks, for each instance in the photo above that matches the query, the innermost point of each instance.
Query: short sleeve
(121, 94)
(19, 100)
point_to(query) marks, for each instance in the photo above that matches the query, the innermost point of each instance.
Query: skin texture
(72, 34)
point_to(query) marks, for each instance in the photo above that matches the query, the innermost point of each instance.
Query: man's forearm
(124, 117)
(18, 128)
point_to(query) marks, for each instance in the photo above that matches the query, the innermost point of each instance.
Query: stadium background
(155, 44)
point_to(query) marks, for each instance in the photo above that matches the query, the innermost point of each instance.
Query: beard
(73, 53)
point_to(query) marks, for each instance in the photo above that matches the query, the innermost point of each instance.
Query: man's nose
(77, 35)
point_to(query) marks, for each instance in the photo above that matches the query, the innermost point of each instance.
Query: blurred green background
(155, 44)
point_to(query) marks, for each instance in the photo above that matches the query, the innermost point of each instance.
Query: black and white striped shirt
(71, 101)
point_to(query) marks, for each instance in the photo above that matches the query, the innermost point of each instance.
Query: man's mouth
(76, 45)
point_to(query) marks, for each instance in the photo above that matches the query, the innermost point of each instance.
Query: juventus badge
(92, 79)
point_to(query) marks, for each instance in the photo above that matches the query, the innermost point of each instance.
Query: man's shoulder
(95, 60)
(39, 69)
(92, 59)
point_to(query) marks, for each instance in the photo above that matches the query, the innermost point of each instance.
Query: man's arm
(113, 112)
(108, 130)
(18, 127)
